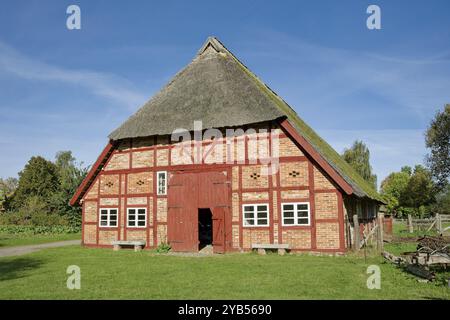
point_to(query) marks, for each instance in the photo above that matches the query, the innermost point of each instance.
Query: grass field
(9, 240)
(106, 274)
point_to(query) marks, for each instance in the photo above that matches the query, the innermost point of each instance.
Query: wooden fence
(435, 223)
(367, 232)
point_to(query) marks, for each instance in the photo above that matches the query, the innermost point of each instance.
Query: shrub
(24, 218)
(163, 248)
(32, 230)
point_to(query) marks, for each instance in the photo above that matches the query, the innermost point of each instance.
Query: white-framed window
(255, 215)
(108, 217)
(161, 183)
(296, 214)
(137, 217)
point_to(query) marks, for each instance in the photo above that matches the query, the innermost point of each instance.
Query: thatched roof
(212, 88)
(219, 90)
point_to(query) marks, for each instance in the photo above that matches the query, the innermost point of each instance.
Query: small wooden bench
(137, 244)
(262, 247)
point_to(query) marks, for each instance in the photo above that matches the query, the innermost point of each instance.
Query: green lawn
(106, 274)
(9, 240)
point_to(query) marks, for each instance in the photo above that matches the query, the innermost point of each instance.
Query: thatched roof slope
(219, 90)
(213, 89)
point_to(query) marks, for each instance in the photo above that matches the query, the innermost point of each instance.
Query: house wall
(128, 180)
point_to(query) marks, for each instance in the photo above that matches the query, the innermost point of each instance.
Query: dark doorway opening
(205, 234)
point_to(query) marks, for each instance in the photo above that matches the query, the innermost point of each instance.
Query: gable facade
(128, 180)
(272, 181)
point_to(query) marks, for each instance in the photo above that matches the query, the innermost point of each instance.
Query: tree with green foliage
(438, 141)
(358, 156)
(409, 191)
(442, 205)
(393, 187)
(70, 176)
(7, 188)
(420, 190)
(39, 178)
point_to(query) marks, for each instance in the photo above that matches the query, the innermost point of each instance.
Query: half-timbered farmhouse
(217, 158)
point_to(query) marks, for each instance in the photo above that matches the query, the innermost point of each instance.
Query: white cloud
(324, 75)
(106, 85)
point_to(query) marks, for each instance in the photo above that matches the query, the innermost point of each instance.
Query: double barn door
(187, 193)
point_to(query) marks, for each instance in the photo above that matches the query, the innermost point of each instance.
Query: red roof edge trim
(92, 174)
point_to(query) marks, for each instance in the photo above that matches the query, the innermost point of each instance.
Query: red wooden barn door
(221, 210)
(182, 227)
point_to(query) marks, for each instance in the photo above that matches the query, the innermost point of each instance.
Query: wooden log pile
(430, 251)
(434, 245)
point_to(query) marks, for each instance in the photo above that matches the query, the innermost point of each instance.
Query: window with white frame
(137, 217)
(256, 215)
(161, 182)
(296, 214)
(108, 217)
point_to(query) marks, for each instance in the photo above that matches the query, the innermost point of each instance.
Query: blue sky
(67, 90)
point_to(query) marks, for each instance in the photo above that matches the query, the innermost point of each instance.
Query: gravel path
(21, 250)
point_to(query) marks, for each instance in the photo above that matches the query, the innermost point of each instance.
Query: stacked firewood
(429, 244)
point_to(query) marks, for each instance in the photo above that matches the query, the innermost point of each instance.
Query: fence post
(380, 232)
(438, 223)
(410, 224)
(356, 232)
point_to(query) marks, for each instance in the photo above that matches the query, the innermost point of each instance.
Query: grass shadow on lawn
(17, 268)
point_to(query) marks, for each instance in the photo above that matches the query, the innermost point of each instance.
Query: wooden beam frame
(292, 132)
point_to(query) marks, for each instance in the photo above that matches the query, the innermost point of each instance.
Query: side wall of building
(128, 180)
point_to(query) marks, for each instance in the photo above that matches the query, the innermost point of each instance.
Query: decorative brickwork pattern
(253, 177)
(140, 183)
(294, 174)
(109, 184)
